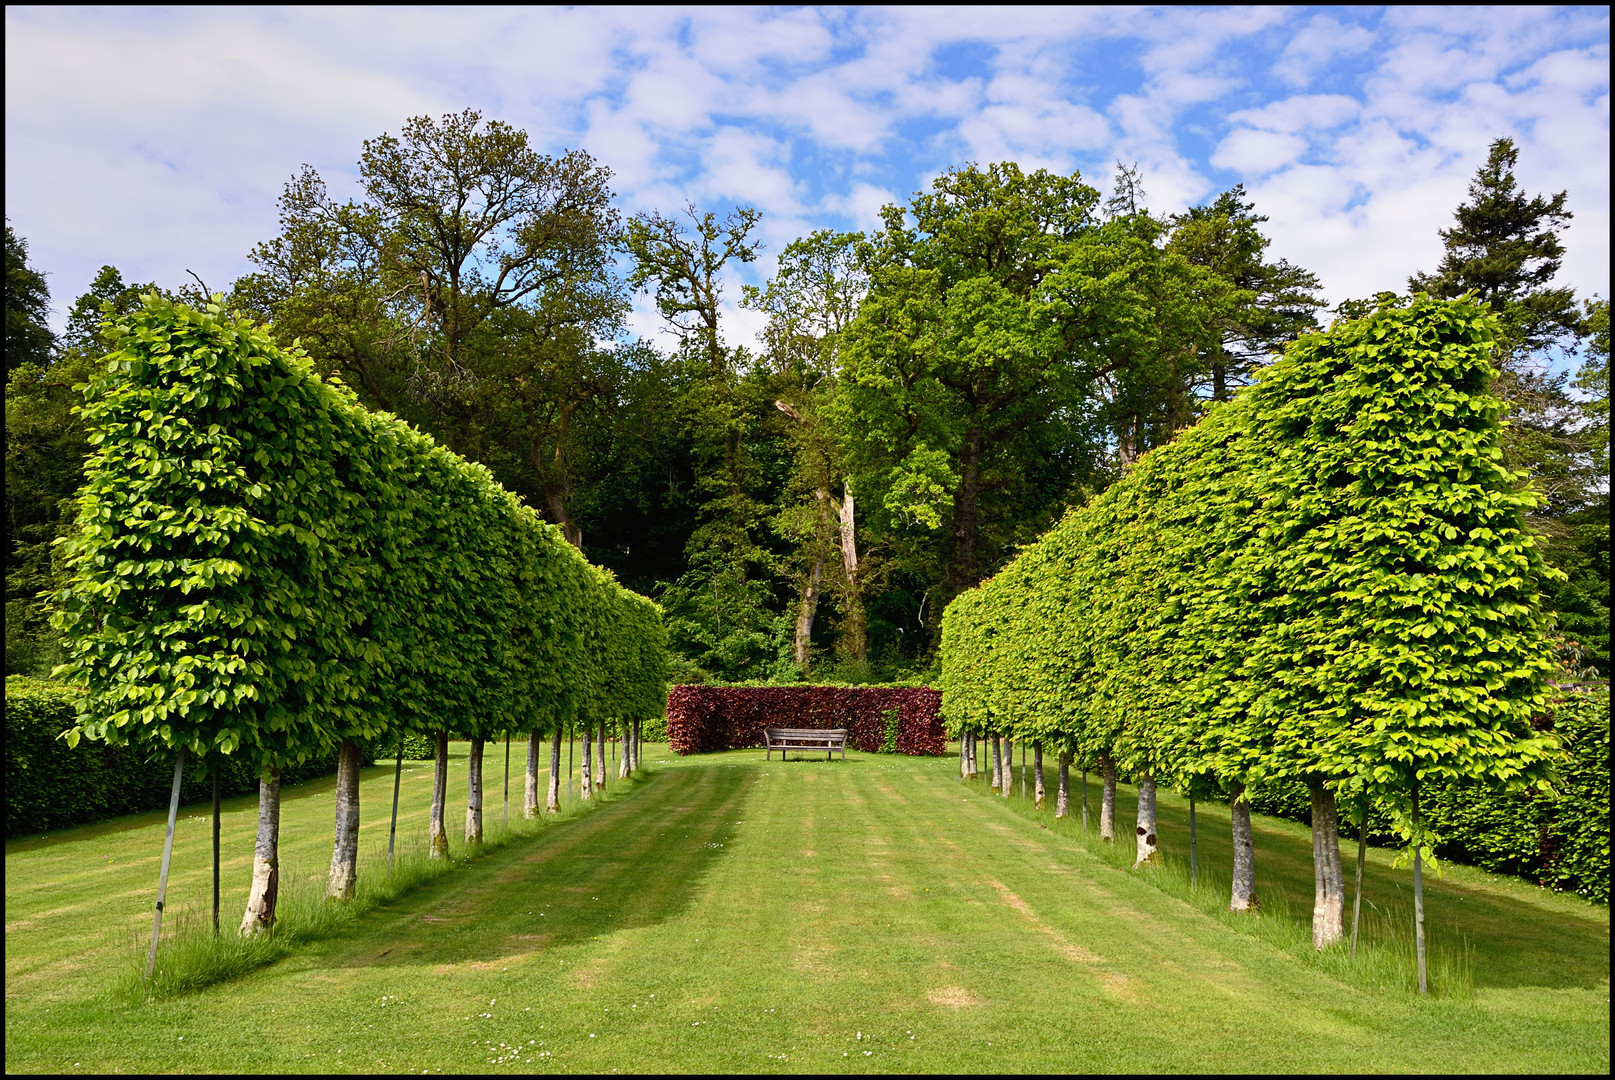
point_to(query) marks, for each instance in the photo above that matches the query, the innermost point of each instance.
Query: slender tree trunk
(530, 786)
(473, 800)
(1009, 767)
(633, 728)
(571, 737)
(1418, 897)
(437, 834)
(1243, 894)
(1107, 801)
(344, 876)
(392, 829)
(1037, 773)
(260, 915)
(585, 788)
(1147, 850)
(998, 762)
(1328, 876)
(601, 750)
(1085, 799)
(168, 853)
(964, 757)
(218, 763)
(507, 779)
(552, 800)
(966, 518)
(622, 763)
(1194, 851)
(1062, 787)
(1362, 856)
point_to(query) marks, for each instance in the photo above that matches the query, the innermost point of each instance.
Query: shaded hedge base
(50, 786)
(706, 718)
(1559, 841)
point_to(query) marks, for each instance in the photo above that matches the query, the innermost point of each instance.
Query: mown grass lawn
(728, 914)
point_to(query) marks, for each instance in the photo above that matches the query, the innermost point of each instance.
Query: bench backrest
(801, 733)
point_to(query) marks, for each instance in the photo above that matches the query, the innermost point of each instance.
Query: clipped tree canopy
(261, 563)
(1330, 578)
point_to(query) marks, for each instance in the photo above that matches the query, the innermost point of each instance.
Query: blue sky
(158, 139)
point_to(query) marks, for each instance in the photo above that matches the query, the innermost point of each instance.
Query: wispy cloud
(158, 139)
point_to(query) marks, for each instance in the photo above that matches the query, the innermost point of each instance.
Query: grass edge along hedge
(703, 718)
(1327, 581)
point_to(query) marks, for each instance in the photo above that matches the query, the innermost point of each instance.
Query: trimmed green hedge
(263, 567)
(1329, 580)
(50, 785)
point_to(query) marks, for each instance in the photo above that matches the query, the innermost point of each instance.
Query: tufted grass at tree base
(728, 914)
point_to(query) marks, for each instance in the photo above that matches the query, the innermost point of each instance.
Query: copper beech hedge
(705, 718)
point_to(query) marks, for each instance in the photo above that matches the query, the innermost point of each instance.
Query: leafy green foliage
(28, 338)
(1329, 578)
(263, 566)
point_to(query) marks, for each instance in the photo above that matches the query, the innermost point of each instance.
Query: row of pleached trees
(1329, 579)
(263, 567)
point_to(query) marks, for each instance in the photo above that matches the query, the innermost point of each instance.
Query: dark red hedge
(703, 718)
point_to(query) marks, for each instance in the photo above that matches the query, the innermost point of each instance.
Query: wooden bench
(827, 739)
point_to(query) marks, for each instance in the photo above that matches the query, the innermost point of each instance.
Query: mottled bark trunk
(972, 770)
(1009, 768)
(437, 834)
(1146, 823)
(1037, 773)
(585, 788)
(473, 796)
(998, 761)
(260, 916)
(344, 876)
(1328, 875)
(1062, 787)
(1107, 800)
(1085, 799)
(853, 632)
(552, 800)
(604, 769)
(1362, 857)
(530, 779)
(1243, 894)
(622, 766)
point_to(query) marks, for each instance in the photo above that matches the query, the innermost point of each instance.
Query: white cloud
(815, 116)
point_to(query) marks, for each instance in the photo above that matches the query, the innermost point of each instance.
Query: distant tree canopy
(922, 401)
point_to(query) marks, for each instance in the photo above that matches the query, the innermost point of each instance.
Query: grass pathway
(728, 914)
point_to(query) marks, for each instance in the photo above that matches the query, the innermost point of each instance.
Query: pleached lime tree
(1328, 580)
(263, 567)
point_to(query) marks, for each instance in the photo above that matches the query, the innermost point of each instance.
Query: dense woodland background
(922, 401)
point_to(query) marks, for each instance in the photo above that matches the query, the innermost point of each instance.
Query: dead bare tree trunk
(1328, 875)
(1062, 787)
(808, 609)
(260, 916)
(853, 627)
(1146, 823)
(437, 834)
(341, 882)
(473, 800)
(552, 801)
(1243, 894)
(1037, 773)
(1107, 801)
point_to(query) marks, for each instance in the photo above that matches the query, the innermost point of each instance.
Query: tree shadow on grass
(1516, 943)
(633, 862)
